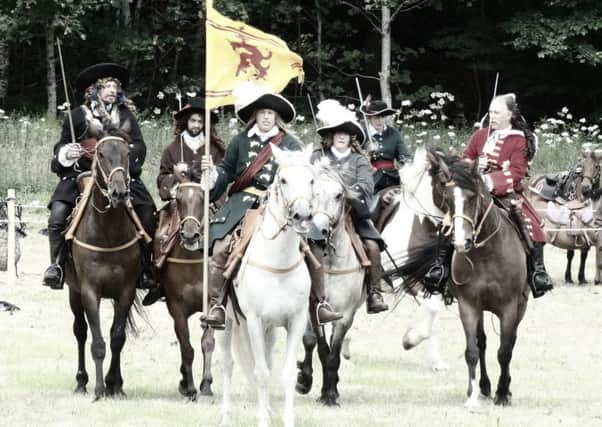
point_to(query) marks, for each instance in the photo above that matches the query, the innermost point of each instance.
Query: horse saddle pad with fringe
(167, 231)
(577, 217)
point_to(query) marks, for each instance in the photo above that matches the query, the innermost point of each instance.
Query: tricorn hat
(377, 107)
(90, 75)
(195, 105)
(250, 97)
(337, 118)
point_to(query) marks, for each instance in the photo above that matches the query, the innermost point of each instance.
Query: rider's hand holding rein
(209, 172)
(69, 154)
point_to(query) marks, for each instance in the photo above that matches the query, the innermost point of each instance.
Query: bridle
(97, 167)
(412, 192)
(192, 218)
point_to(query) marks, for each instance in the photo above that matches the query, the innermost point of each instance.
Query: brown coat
(173, 155)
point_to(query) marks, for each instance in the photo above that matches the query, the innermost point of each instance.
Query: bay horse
(105, 262)
(272, 287)
(581, 183)
(182, 278)
(488, 268)
(343, 283)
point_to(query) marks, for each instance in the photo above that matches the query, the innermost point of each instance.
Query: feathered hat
(377, 107)
(335, 118)
(250, 97)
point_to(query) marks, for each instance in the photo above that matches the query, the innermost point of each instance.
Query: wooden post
(10, 266)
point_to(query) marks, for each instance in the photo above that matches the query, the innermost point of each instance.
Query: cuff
(62, 157)
(209, 177)
(488, 182)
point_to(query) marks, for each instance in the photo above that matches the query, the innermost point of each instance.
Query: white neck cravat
(338, 154)
(193, 142)
(262, 135)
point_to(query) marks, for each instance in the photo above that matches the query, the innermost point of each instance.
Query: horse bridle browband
(96, 165)
(190, 217)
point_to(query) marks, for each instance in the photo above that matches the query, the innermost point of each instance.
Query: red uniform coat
(507, 166)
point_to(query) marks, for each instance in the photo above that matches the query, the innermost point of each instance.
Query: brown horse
(489, 268)
(581, 184)
(182, 277)
(105, 262)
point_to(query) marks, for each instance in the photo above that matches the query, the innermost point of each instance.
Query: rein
(103, 249)
(97, 166)
(275, 269)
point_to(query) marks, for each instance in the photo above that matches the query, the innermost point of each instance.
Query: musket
(58, 45)
(313, 115)
(371, 145)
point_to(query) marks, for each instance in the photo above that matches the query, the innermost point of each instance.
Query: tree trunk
(50, 73)
(319, 48)
(125, 13)
(385, 52)
(4, 61)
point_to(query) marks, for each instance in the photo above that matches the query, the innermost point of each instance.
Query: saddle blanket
(561, 214)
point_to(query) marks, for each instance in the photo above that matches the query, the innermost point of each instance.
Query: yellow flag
(237, 52)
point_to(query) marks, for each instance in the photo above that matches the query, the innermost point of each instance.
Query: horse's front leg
(80, 330)
(330, 392)
(305, 374)
(581, 276)
(296, 326)
(207, 345)
(91, 304)
(324, 355)
(484, 382)
(226, 345)
(508, 325)
(470, 319)
(261, 372)
(114, 380)
(568, 275)
(186, 386)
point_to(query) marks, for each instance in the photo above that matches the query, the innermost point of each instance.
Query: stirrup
(210, 322)
(61, 277)
(336, 315)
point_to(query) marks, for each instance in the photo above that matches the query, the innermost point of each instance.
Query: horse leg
(484, 383)
(207, 345)
(80, 330)
(470, 318)
(98, 347)
(186, 386)
(323, 354)
(261, 372)
(581, 277)
(598, 276)
(296, 326)
(508, 325)
(333, 362)
(227, 362)
(568, 276)
(114, 380)
(305, 374)
(346, 348)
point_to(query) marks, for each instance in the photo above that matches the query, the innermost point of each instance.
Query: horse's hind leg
(581, 276)
(508, 325)
(305, 374)
(80, 330)
(114, 380)
(207, 345)
(484, 383)
(186, 387)
(296, 326)
(261, 371)
(568, 276)
(470, 318)
(98, 347)
(227, 363)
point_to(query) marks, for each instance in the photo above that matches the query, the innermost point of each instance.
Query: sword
(371, 146)
(58, 45)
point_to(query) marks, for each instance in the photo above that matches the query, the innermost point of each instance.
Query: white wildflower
(433, 117)
(351, 107)
(1, 112)
(232, 122)
(564, 110)
(160, 95)
(423, 124)
(406, 103)
(190, 94)
(582, 120)
(156, 111)
(451, 134)
(436, 137)
(569, 116)
(423, 133)
(300, 118)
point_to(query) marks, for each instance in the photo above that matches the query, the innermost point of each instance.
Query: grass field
(556, 369)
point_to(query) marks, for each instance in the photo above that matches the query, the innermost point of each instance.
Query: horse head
(330, 197)
(189, 203)
(591, 154)
(458, 187)
(111, 167)
(293, 186)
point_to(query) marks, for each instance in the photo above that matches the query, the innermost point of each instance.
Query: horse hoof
(328, 400)
(502, 400)
(205, 388)
(186, 392)
(302, 388)
(80, 389)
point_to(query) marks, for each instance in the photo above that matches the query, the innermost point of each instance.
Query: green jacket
(240, 153)
(390, 147)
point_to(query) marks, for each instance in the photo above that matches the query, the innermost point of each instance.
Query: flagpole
(206, 189)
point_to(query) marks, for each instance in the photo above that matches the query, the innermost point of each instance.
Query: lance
(58, 45)
(313, 115)
(371, 145)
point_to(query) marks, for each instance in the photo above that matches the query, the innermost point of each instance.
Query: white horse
(414, 225)
(272, 287)
(343, 283)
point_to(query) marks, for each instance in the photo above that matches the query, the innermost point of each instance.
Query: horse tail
(136, 307)
(412, 269)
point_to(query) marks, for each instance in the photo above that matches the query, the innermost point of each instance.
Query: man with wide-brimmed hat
(183, 157)
(105, 108)
(387, 145)
(342, 138)
(248, 163)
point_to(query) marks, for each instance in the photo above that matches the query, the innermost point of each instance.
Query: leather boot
(54, 276)
(374, 300)
(539, 279)
(154, 295)
(147, 279)
(438, 273)
(216, 318)
(317, 298)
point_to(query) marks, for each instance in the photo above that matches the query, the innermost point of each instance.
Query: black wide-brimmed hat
(377, 108)
(90, 75)
(195, 105)
(250, 97)
(336, 118)
(352, 128)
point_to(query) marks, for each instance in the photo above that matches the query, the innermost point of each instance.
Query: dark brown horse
(182, 277)
(489, 268)
(105, 263)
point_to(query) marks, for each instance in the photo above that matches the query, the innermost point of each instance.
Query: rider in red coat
(503, 152)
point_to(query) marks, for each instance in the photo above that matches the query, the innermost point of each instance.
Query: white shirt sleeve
(62, 157)
(209, 177)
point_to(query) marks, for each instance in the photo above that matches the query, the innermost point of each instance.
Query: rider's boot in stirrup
(374, 299)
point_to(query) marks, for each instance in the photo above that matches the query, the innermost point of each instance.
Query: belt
(383, 164)
(255, 191)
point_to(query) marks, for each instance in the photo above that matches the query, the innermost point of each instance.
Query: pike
(58, 45)
(313, 115)
(371, 145)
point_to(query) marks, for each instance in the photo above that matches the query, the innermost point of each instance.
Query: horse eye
(311, 182)
(283, 180)
(338, 196)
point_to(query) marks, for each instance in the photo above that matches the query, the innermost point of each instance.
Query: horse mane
(322, 167)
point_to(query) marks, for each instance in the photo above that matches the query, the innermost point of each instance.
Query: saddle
(167, 231)
(574, 217)
(381, 213)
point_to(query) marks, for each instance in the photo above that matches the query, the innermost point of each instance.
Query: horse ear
(586, 149)
(598, 153)
(277, 152)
